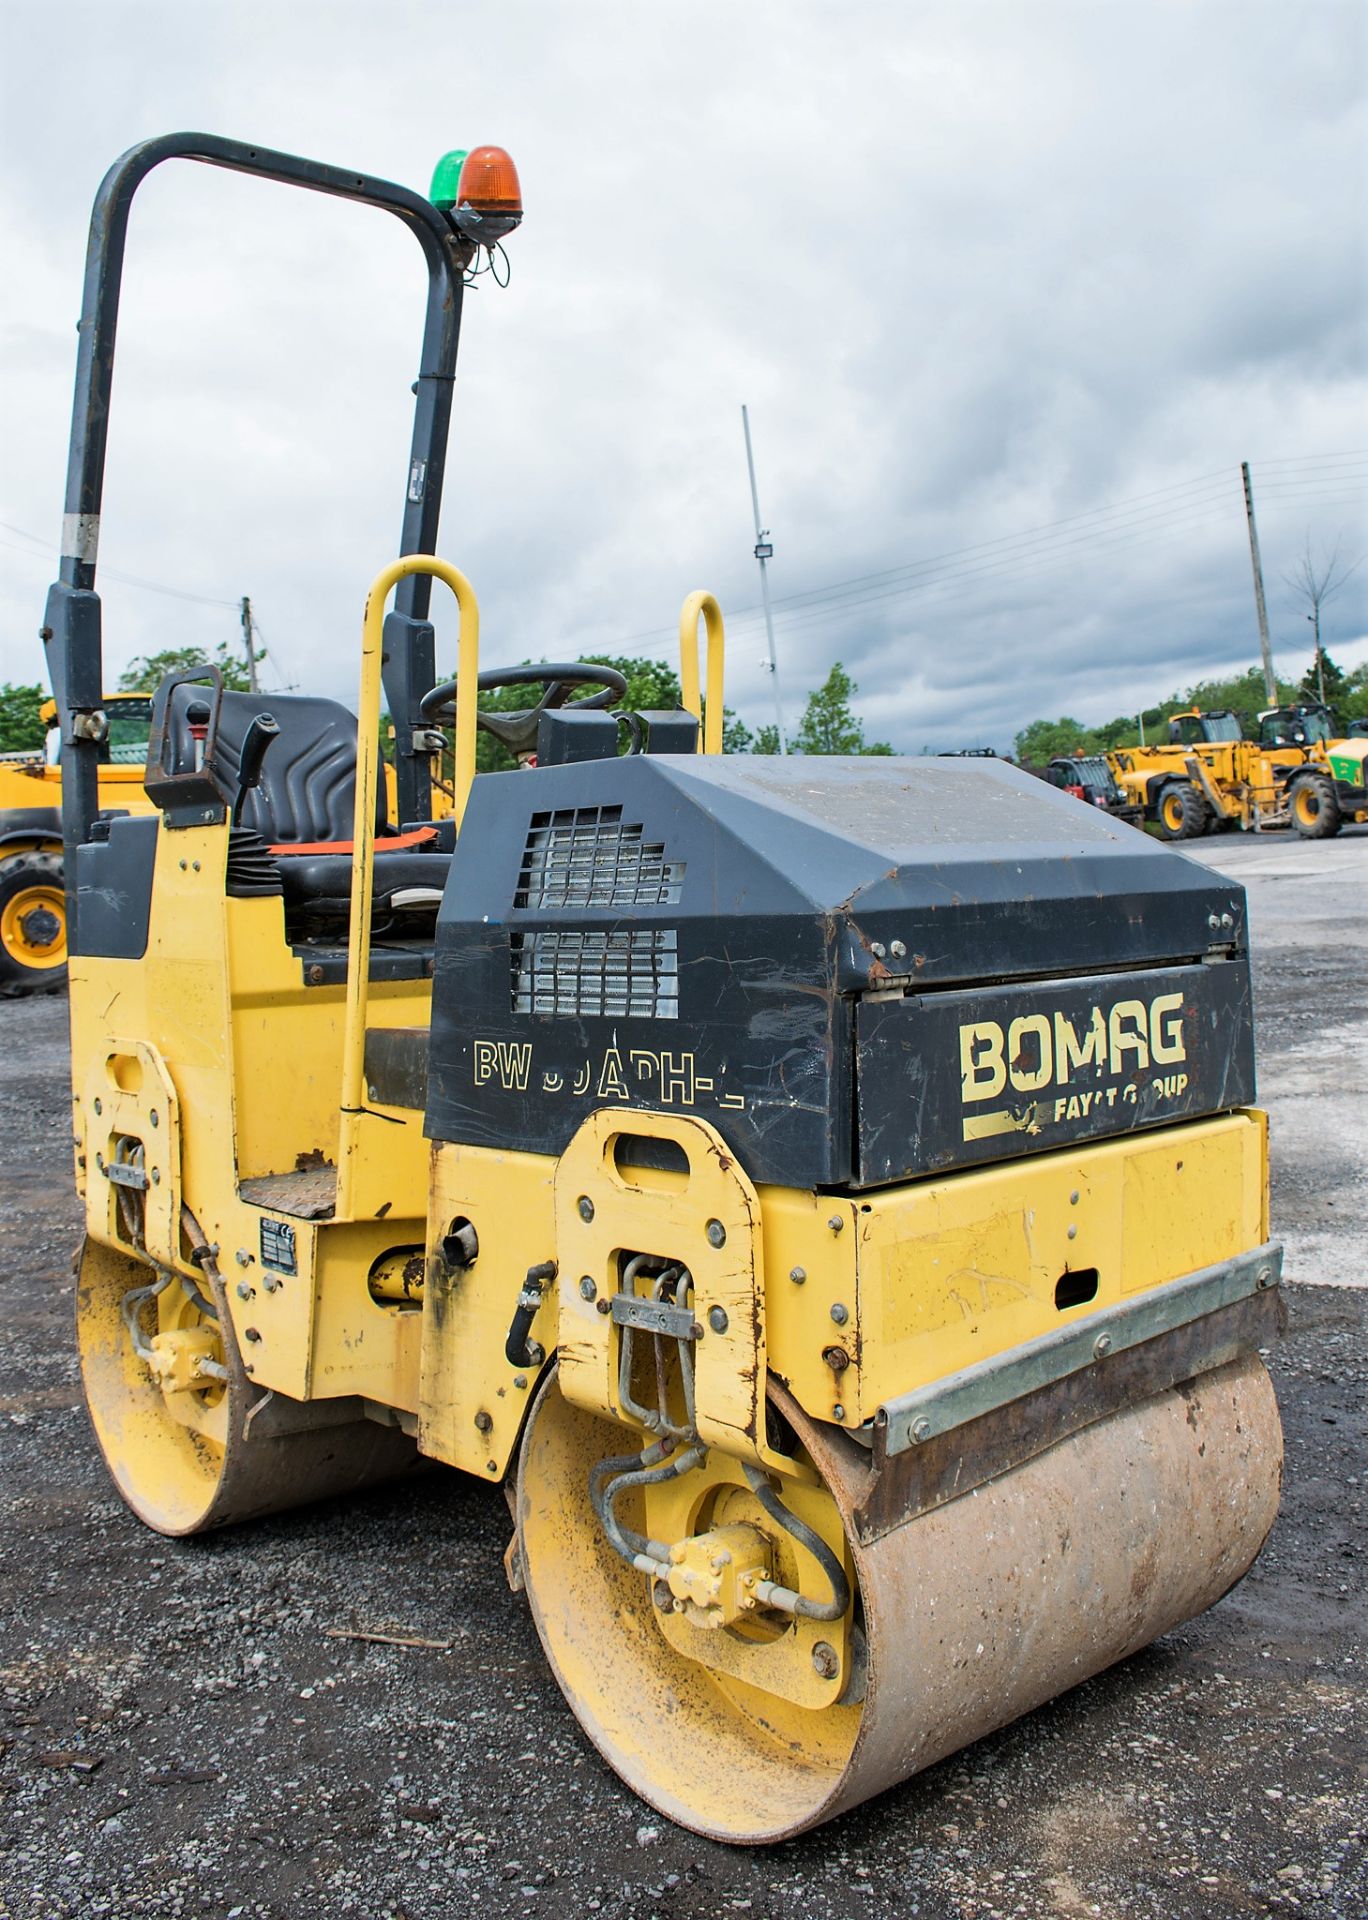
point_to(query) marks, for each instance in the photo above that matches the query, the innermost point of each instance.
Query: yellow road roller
(823, 1194)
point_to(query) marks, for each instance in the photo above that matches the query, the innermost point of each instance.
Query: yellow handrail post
(705, 605)
(363, 821)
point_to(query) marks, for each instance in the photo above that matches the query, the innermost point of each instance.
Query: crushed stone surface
(181, 1735)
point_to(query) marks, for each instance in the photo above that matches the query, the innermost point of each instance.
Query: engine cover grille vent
(630, 972)
(585, 857)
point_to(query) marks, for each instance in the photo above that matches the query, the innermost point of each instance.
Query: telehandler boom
(824, 1195)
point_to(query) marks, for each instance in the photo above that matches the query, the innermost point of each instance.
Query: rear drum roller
(962, 1618)
(191, 1442)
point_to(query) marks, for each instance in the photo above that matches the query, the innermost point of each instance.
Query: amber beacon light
(480, 194)
(489, 183)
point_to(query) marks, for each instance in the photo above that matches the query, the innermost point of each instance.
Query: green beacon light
(480, 194)
(446, 176)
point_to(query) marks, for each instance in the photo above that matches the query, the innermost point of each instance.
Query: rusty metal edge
(914, 1418)
(953, 1463)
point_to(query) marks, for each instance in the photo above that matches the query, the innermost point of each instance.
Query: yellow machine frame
(842, 1305)
(985, 1247)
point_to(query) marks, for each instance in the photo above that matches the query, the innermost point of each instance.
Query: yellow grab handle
(363, 819)
(706, 605)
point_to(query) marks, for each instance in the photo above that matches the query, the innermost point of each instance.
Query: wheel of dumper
(190, 1441)
(33, 952)
(1315, 807)
(1182, 813)
(960, 1618)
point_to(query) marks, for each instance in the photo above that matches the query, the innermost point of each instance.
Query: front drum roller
(973, 1613)
(192, 1453)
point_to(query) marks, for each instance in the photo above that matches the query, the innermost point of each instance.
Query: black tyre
(33, 951)
(1182, 813)
(1315, 807)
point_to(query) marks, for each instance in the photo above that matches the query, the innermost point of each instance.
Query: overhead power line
(1195, 501)
(117, 573)
(1023, 567)
(1312, 459)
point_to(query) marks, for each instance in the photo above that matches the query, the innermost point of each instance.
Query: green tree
(1243, 694)
(766, 739)
(21, 730)
(1354, 701)
(1046, 740)
(1323, 672)
(147, 674)
(651, 684)
(1124, 732)
(829, 724)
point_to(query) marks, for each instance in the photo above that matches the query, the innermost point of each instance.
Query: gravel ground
(186, 1730)
(1309, 917)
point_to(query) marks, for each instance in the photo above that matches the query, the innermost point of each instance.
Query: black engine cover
(857, 970)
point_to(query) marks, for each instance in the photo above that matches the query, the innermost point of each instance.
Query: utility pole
(1314, 618)
(1270, 680)
(764, 553)
(247, 642)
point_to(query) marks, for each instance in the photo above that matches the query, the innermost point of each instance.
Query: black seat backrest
(307, 790)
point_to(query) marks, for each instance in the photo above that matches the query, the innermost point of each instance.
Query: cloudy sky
(1010, 291)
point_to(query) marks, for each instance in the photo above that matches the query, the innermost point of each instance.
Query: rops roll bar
(71, 625)
(710, 718)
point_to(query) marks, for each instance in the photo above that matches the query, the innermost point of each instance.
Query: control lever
(198, 715)
(261, 731)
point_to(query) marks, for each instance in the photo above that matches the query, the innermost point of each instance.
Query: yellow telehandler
(1325, 770)
(1206, 778)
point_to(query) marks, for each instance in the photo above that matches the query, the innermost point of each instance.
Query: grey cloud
(976, 270)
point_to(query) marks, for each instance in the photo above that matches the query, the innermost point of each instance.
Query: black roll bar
(71, 624)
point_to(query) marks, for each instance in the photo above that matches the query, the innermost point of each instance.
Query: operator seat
(307, 789)
(303, 803)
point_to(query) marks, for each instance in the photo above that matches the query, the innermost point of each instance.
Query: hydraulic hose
(131, 1307)
(784, 1598)
(648, 1556)
(516, 1350)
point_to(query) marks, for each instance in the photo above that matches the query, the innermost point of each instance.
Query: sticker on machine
(961, 1078)
(278, 1246)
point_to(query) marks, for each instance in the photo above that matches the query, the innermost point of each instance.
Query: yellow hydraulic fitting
(176, 1359)
(713, 1575)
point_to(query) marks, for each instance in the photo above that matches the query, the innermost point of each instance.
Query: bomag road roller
(824, 1194)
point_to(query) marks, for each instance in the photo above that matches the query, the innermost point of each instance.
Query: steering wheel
(517, 729)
